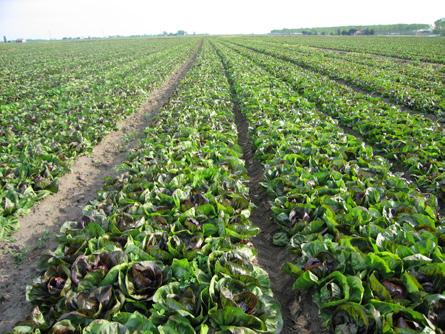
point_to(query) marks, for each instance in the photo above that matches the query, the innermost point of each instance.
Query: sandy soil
(19, 259)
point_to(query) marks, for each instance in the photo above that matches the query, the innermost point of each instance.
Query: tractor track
(300, 314)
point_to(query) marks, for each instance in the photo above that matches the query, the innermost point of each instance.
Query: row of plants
(41, 136)
(424, 71)
(401, 89)
(369, 246)
(416, 143)
(83, 83)
(416, 49)
(39, 70)
(165, 246)
(424, 76)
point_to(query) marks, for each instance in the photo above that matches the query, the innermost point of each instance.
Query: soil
(300, 314)
(19, 258)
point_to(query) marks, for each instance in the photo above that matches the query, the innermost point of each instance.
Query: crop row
(369, 245)
(39, 137)
(83, 79)
(22, 76)
(430, 98)
(423, 76)
(415, 142)
(424, 71)
(165, 247)
(411, 48)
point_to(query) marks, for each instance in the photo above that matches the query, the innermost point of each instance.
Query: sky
(71, 18)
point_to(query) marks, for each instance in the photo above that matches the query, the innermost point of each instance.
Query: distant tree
(352, 31)
(367, 31)
(439, 27)
(405, 29)
(181, 33)
(4, 39)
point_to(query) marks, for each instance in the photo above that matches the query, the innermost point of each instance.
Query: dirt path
(18, 259)
(300, 314)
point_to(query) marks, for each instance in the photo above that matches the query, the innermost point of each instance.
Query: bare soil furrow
(300, 314)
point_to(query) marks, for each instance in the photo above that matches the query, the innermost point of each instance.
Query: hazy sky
(58, 18)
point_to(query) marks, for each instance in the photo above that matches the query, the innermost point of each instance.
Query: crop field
(277, 185)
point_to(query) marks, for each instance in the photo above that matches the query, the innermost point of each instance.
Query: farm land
(263, 184)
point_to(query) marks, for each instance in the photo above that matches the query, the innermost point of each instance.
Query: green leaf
(305, 281)
(105, 327)
(378, 288)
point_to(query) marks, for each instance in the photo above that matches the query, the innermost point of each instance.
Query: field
(223, 185)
